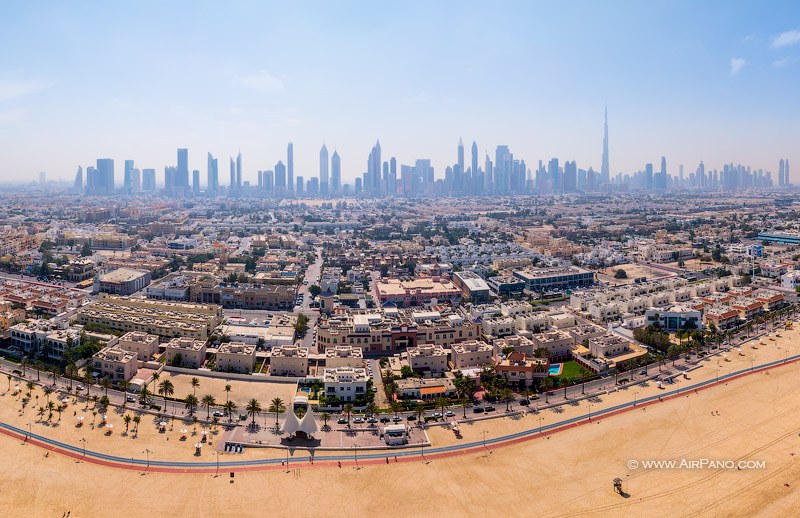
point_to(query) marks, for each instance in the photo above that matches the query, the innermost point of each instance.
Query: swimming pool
(555, 369)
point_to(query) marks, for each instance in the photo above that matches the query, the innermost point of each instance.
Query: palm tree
(396, 406)
(105, 382)
(195, 384)
(372, 408)
(59, 409)
(38, 365)
(144, 394)
(136, 420)
(227, 392)
(124, 385)
(442, 403)
(127, 421)
(72, 372)
(507, 398)
(347, 409)
(254, 408)
(325, 417)
(9, 376)
(277, 406)
(166, 388)
(88, 379)
(47, 391)
(24, 364)
(230, 408)
(208, 401)
(55, 371)
(191, 403)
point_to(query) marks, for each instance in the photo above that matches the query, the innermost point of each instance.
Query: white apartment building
(236, 357)
(289, 360)
(427, 358)
(144, 345)
(346, 383)
(471, 353)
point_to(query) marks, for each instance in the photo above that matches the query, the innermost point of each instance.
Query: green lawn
(570, 370)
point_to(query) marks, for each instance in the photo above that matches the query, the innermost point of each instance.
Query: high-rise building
(233, 175)
(786, 180)
(126, 176)
(781, 177)
(290, 166)
(503, 160)
(605, 170)
(78, 185)
(391, 189)
(196, 182)
(280, 178)
(136, 181)
(148, 180)
(661, 179)
(570, 177)
(336, 174)
(474, 158)
(374, 169)
(553, 175)
(648, 177)
(488, 175)
(299, 185)
(42, 177)
(212, 175)
(100, 180)
(323, 170)
(182, 170)
(461, 154)
(239, 171)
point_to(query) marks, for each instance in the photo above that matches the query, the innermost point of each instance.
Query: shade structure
(184, 430)
(308, 424)
(291, 424)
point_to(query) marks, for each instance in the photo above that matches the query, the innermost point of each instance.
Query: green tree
(230, 408)
(314, 290)
(195, 384)
(254, 408)
(191, 403)
(166, 389)
(86, 250)
(208, 401)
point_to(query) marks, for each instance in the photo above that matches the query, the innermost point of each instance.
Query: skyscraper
(781, 177)
(239, 170)
(474, 158)
(323, 170)
(280, 178)
(126, 177)
(233, 175)
(461, 154)
(78, 185)
(196, 182)
(648, 177)
(182, 171)
(105, 173)
(336, 174)
(290, 166)
(374, 169)
(212, 173)
(148, 180)
(605, 171)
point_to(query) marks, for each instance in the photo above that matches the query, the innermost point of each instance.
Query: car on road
(218, 413)
(642, 372)
(130, 399)
(489, 408)
(385, 419)
(358, 420)
(80, 388)
(341, 420)
(397, 419)
(524, 402)
(372, 420)
(437, 415)
(449, 413)
(477, 409)
(411, 417)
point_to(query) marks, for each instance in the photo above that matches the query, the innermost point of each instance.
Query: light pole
(484, 432)
(217, 452)
(30, 430)
(590, 411)
(540, 425)
(355, 453)
(148, 452)
(635, 395)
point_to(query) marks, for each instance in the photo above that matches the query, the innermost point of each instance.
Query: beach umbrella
(80, 418)
(184, 430)
(110, 427)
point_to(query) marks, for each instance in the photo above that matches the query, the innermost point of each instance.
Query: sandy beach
(569, 473)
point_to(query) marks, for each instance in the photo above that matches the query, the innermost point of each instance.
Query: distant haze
(711, 81)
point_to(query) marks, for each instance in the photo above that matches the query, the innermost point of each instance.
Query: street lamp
(217, 452)
(590, 411)
(148, 452)
(355, 453)
(635, 395)
(83, 440)
(484, 432)
(30, 430)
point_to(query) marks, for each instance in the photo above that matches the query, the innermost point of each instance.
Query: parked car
(489, 408)
(218, 413)
(385, 419)
(372, 420)
(412, 417)
(130, 399)
(341, 420)
(358, 420)
(397, 419)
(449, 413)
(477, 409)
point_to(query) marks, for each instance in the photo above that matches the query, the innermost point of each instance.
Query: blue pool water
(555, 369)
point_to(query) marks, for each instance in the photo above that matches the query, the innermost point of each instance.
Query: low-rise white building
(114, 363)
(471, 353)
(289, 360)
(344, 356)
(144, 345)
(427, 357)
(236, 357)
(186, 352)
(346, 383)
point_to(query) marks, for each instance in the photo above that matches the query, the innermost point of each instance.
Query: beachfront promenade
(304, 458)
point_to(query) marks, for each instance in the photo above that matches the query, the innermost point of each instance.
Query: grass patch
(571, 369)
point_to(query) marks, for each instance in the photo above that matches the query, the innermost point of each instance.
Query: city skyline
(154, 92)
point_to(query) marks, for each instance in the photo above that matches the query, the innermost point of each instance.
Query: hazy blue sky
(716, 81)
